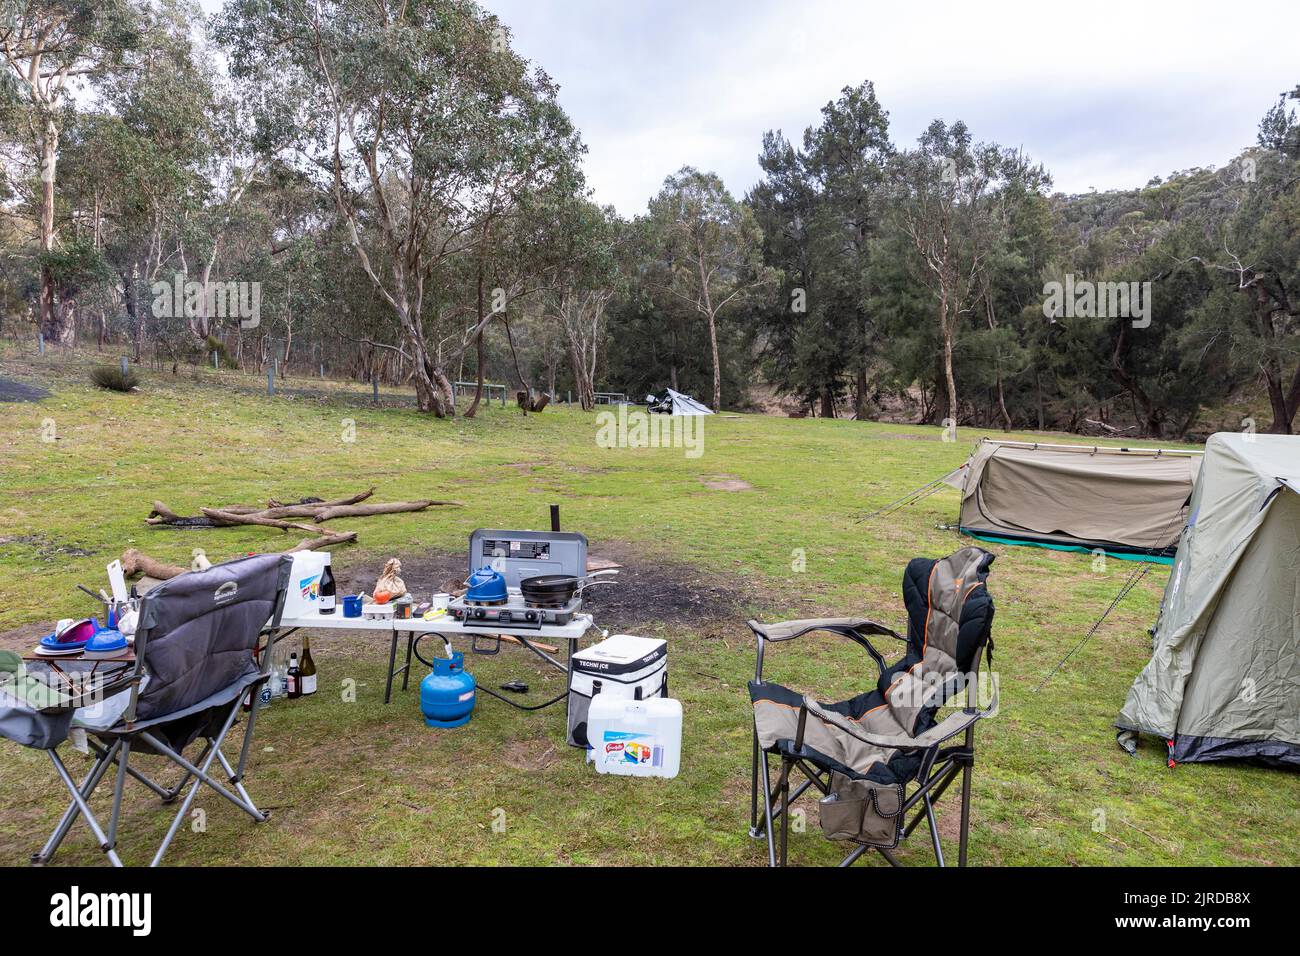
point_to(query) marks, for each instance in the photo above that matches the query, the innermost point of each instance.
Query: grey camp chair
(863, 754)
(194, 665)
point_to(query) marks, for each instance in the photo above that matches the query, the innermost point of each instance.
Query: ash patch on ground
(46, 549)
(646, 593)
(14, 391)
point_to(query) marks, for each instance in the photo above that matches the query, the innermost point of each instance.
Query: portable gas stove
(516, 555)
(513, 612)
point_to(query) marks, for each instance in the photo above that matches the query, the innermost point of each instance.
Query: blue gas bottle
(447, 695)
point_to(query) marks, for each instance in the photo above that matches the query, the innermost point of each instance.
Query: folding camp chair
(194, 665)
(863, 754)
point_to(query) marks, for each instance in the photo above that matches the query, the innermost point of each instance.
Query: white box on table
(304, 583)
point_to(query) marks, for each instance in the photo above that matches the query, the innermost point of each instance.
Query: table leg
(573, 646)
(392, 662)
(406, 671)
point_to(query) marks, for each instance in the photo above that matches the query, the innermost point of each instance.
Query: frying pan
(558, 589)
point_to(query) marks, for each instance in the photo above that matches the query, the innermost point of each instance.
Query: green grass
(361, 783)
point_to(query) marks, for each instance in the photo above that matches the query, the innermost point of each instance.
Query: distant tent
(675, 403)
(1224, 679)
(1129, 502)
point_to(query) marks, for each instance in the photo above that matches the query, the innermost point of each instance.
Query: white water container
(637, 738)
(303, 598)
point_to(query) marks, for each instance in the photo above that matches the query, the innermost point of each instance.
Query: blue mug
(352, 605)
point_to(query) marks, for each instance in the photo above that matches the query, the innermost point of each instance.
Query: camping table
(446, 627)
(337, 622)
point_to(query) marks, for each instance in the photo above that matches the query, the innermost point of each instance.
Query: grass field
(361, 783)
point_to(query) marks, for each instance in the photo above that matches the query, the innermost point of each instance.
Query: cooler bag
(623, 665)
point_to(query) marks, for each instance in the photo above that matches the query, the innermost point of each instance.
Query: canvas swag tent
(1130, 503)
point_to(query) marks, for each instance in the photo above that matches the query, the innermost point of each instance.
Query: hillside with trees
(391, 192)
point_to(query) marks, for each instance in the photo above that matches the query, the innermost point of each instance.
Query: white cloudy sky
(1107, 94)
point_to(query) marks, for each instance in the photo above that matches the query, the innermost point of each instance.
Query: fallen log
(135, 562)
(222, 519)
(392, 507)
(161, 514)
(325, 541)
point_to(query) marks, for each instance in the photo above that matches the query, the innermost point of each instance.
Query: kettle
(486, 586)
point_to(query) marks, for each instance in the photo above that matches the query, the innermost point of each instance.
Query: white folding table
(447, 627)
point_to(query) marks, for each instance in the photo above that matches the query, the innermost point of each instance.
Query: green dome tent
(1223, 681)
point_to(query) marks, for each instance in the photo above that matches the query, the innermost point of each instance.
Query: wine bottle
(327, 589)
(294, 678)
(307, 667)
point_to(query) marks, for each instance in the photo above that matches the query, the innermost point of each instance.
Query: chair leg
(854, 856)
(965, 812)
(766, 780)
(123, 757)
(200, 773)
(239, 784)
(84, 808)
(88, 785)
(934, 829)
(785, 807)
(184, 809)
(136, 775)
(249, 724)
(753, 790)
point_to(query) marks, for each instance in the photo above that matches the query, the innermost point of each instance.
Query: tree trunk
(1282, 416)
(949, 379)
(1002, 405)
(478, 345)
(828, 403)
(51, 325)
(717, 366)
(482, 371)
(68, 317)
(130, 297)
(672, 366)
(860, 409)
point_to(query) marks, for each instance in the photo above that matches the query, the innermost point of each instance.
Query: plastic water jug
(640, 738)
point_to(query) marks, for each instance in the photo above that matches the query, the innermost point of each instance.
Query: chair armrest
(847, 626)
(855, 629)
(950, 726)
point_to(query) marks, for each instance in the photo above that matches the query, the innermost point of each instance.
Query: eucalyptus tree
(49, 48)
(708, 251)
(138, 158)
(950, 204)
(589, 267)
(424, 127)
